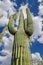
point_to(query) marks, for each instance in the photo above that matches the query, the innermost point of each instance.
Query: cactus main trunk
(21, 49)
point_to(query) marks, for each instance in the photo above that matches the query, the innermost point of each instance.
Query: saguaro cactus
(21, 48)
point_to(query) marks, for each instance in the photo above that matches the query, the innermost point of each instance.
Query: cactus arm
(21, 20)
(28, 24)
(2, 34)
(11, 28)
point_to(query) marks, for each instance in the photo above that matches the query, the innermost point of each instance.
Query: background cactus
(21, 48)
(2, 33)
(1, 16)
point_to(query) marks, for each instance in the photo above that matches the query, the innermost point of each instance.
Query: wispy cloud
(41, 8)
(6, 6)
(36, 58)
(7, 50)
(37, 27)
(39, 0)
(23, 7)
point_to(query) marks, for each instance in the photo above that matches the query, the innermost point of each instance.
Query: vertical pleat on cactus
(21, 47)
(20, 55)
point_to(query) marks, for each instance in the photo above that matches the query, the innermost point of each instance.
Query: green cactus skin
(10, 26)
(21, 48)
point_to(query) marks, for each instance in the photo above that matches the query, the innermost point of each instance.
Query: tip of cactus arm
(20, 10)
(27, 9)
(15, 16)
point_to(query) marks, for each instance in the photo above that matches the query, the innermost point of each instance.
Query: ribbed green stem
(13, 60)
(16, 55)
(21, 19)
(21, 55)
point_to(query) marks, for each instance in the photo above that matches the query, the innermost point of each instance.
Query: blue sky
(37, 47)
(37, 37)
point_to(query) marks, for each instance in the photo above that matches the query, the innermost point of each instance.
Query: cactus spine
(21, 47)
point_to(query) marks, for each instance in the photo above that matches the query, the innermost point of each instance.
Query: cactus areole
(21, 48)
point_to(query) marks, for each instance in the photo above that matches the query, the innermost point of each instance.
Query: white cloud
(6, 52)
(39, 0)
(36, 56)
(3, 12)
(6, 60)
(2, 58)
(6, 6)
(41, 39)
(4, 21)
(41, 9)
(8, 44)
(37, 27)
